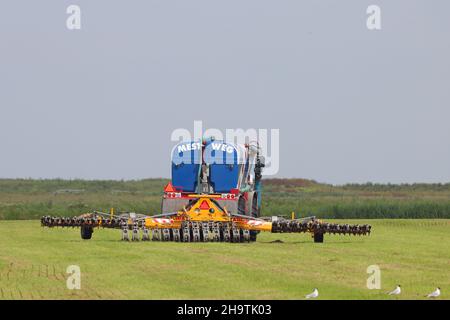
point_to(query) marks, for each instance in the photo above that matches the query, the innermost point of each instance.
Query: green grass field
(413, 253)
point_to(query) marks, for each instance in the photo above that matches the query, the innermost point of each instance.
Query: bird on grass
(436, 293)
(396, 291)
(314, 294)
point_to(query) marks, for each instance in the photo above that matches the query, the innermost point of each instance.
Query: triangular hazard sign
(204, 205)
(169, 188)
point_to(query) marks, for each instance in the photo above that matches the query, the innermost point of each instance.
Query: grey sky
(352, 105)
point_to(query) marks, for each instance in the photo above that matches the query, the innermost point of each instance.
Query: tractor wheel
(250, 208)
(241, 205)
(86, 232)
(318, 237)
(254, 213)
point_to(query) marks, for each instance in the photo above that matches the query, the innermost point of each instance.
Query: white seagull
(396, 291)
(314, 294)
(436, 293)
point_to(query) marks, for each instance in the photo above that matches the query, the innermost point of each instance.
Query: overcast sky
(352, 105)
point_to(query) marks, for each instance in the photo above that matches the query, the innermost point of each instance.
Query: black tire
(86, 232)
(253, 235)
(241, 205)
(318, 237)
(249, 208)
(254, 213)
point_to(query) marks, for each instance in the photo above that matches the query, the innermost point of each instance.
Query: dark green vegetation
(31, 199)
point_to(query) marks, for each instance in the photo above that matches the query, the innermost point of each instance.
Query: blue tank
(225, 164)
(186, 162)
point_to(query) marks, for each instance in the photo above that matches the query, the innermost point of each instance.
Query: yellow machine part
(253, 224)
(205, 210)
